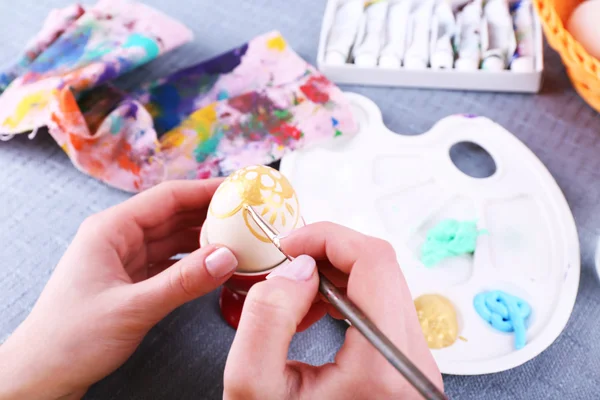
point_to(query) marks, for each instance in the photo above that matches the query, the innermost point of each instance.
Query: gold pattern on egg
(267, 191)
(438, 320)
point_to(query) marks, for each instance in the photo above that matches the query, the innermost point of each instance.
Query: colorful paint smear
(81, 49)
(206, 120)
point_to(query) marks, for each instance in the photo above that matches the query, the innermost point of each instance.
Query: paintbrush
(362, 323)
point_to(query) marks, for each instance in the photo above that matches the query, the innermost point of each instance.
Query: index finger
(340, 245)
(158, 204)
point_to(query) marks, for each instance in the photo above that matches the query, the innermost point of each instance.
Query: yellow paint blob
(438, 320)
(276, 43)
(29, 102)
(202, 121)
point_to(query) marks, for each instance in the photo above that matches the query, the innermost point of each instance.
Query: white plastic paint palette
(398, 187)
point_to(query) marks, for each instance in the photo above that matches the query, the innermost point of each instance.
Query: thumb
(269, 320)
(193, 276)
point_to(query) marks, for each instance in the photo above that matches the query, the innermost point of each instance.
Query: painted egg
(228, 223)
(438, 320)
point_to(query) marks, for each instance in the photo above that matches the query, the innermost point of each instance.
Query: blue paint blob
(5, 80)
(166, 99)
(504, 312)
(334, 121)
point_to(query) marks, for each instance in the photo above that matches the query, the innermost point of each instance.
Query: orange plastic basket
(582, 68)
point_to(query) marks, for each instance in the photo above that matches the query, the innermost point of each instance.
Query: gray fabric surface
(43, 199)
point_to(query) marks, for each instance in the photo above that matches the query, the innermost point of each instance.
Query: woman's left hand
(115, 281)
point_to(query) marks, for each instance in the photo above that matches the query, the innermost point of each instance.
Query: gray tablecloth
(43, 199)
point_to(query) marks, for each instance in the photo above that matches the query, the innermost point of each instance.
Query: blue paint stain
(5, 80)
(110, 72)
(208, 147)
(166, 99)
(334, 121)
(222, 95)
(65, 53)
(131, 110)
(116, 124)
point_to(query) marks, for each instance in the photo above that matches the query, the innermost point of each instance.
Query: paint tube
(367, 52)
(443, 29)
(468, 37)
(417, 54)
(497, 36)
(343, 32)
(393, 52)
(360, 35)
(524, 57)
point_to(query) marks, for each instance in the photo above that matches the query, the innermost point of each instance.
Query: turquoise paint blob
(150, 46)
(504, 312)
(208, 146)
(116, 124)
(449, 238)
(98, 52)
(222, 95)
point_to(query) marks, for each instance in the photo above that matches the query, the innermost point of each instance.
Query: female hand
(257, 366)
(115, 281)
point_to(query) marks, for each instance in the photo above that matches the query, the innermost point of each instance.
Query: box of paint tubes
(486, 45)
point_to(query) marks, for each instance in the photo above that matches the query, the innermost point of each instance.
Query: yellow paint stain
(202, 121)
(28, 103)
(273, 218)
(290, 209)
(173, 138)
(276, 43)
(152, 110)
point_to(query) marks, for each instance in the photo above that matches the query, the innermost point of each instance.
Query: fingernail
(220, 262)
(283, 235)
(300, 269)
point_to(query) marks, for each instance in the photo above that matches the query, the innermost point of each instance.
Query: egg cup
(234, 292)
(228, 223)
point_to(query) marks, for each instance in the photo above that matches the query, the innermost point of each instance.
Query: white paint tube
(524, 57)
(468, 37)
(497, 36)
(396, 27)
(443, 29)
(367, 52)
(343, 31)
(417, 54)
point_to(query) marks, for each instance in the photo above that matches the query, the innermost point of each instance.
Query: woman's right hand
(257, 366)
